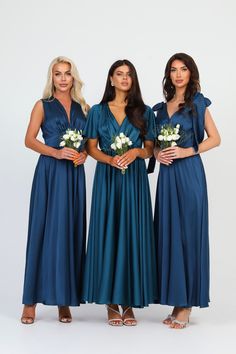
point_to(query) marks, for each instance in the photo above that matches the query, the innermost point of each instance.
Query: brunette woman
(120, 264)
(181, 210)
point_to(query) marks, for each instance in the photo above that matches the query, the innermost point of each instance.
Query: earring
(112, 83)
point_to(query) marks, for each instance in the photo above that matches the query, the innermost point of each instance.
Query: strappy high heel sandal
(26, 319)
(128, 321)
(168, 320)
(64, 314)
(171, 317)
(116, 322)
(180, 324)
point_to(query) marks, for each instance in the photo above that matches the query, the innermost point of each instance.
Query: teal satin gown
(181, 214)
(120, 263)
(57, 219)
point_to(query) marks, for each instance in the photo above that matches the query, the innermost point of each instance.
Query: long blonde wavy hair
(75, 92)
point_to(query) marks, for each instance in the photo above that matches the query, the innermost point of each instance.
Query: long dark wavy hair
(193, 85)
(135, 107)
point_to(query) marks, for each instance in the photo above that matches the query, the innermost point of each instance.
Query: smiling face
(179, 74)
(62, 78)
(121, 78)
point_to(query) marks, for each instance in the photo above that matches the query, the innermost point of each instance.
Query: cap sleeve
(150, 124)
(200, 103)
(91, 127)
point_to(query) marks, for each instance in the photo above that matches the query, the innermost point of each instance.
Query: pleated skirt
(56, 235)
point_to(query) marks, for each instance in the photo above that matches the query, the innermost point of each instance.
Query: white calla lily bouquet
(121, 144)
(168, 135)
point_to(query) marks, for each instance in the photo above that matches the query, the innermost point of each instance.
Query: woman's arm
(128, 157)
(33, 143)
(100, 156)
(81, 157)
(212, 140)
(146, 151)
(160, 157)
(213, 136)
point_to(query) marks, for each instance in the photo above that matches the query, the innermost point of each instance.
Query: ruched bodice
(56, 120)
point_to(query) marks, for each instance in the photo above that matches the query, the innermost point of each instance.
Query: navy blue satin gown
(120, 263)
(181, 215)
(57, 219)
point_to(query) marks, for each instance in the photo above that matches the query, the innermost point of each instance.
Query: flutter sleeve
(200, 104)
(91, 127)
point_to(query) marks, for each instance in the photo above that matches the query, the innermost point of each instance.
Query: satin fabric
(181, 215)
(57, 219)
(120, 262)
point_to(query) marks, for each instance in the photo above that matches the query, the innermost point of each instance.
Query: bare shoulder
(87, 107)
(38, 106)
(37, 114)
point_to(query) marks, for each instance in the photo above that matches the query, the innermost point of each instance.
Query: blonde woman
(57, 220)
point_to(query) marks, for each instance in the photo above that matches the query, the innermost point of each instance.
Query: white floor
(211, 331)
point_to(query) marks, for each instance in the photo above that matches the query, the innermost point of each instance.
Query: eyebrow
(57, 71)
(174, 67)
(123, 72)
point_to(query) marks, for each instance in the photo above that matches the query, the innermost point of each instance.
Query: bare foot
(28, 314)
(114, 317)
(64, 314)
(128, 317)
(182, 319)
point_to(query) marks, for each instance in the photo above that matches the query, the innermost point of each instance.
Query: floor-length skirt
(56, 236)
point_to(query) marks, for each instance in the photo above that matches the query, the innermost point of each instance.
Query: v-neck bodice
(68, 116)
(102, 125)
(56, 120)
(112, 114)
(191, 123)
(172, 115)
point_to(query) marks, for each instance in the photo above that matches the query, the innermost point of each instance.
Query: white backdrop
(94, 34)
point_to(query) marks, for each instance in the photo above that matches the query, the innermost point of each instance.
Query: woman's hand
(127, 158)
(65, 153)
(176, 152)
(80, 158)
(160, 157)
(114, 162)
